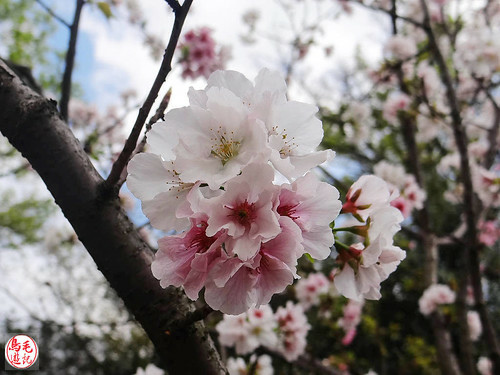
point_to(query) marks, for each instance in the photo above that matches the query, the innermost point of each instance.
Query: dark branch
(305, 362)
(492, 152)
(174, 4)
(192, 317)
(70, 62)
(160, 112)
(53, 14)
(165, 68)
(34, 127)
(387, 11)
(448, 362)
(471, 249)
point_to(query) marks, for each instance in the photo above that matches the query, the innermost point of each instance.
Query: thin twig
(160, 112)
(336, 182)
(387, 11)
(165, 68)
(492, 152)
(53, 14)
(70, 61)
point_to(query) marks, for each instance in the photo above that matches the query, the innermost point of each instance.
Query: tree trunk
(35, 128)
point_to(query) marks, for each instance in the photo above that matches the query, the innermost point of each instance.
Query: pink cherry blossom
(362, 269)
(309, 290)
(402, 205)
(237, 285)
(411, 196)
(292, 330)
(475, 326)
(312, 205)
(200, 56)
(215, 143)
(155, 182)
(352, 315)
(365, 196)
(238, 366)
(245, 210)
(150, 370)
(484, 366)
(489, 232)
(249, 330)
(349, 337)
(234, 331)
(401, 47)
(436, 294)
(395, 103)
(185, 260)
(350, 320)
(294, 132)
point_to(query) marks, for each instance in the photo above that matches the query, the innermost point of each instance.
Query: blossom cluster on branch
(200, 55)
(284, 331)
(213, 169)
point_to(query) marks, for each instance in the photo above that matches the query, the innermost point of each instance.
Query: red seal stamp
(21, 351)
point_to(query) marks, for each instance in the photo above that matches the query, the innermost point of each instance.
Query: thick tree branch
(70, 61)
(165, 68)
(34, 127)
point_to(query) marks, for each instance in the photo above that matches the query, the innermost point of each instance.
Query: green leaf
(309, 257)
(105, 9)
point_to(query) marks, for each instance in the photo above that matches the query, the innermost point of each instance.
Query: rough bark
(34, 127)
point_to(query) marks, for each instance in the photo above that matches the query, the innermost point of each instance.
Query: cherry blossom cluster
(284, 331)
(395, 103)
(211, 171)
(411, 195)
(261, 365)
(484, 366)
(489, 232)
(363, 265)
(150, 370)
(350, 320)
(200, 55)
(436, 294)
(309, 290)
(475, 326)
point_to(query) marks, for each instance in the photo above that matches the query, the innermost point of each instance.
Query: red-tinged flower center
(284, 320)
(244, 213)
(289, 210)
(349, 255)
(258, 313)
(311, 288)
(398, 204)
(349, 207)
(199, 240)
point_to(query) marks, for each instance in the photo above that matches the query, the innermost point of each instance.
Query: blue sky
(111, 55)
